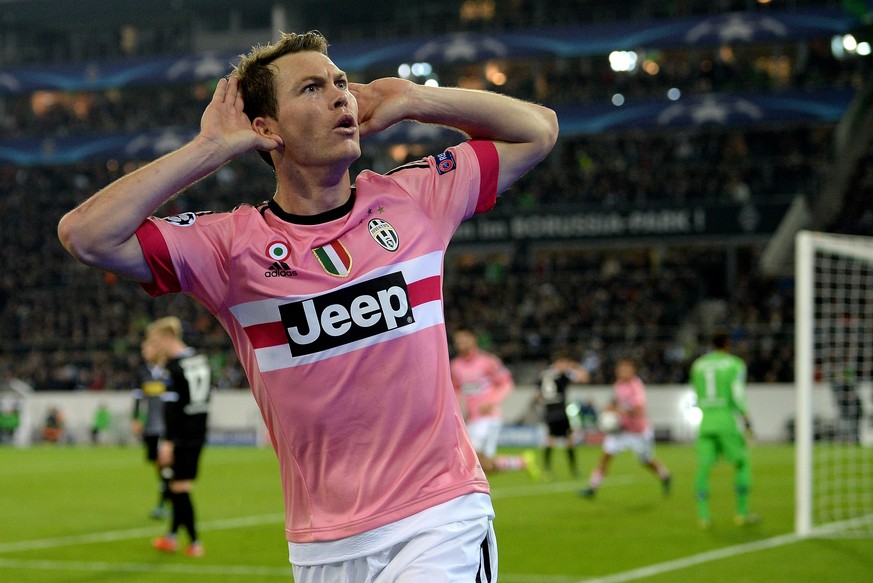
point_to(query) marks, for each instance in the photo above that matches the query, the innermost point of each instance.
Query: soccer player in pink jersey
(482, 382)
(332, 295)
(634, 433)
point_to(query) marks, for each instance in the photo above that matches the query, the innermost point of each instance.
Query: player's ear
(263, 126)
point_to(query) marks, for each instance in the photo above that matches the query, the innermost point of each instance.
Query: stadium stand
(653, 294)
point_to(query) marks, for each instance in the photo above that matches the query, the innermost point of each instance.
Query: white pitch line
(519, 491)
(692, 560)
(106, 567)
(634, 574)
(62, 541)
(230, 523)
(117, 535)
(248, 570)
(549, 488)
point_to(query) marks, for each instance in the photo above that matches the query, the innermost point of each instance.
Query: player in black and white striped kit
(148, 418)
(186, 403)
(554, 382)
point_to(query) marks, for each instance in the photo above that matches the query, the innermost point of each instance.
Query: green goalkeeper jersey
(719, 379)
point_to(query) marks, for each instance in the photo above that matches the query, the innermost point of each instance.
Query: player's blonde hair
(257, 78)
(169, 325)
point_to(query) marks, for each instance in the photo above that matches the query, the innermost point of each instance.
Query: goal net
(834, 379)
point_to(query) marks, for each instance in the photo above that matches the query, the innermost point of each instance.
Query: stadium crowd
(856, 216)
(597, 303)
(678, 167)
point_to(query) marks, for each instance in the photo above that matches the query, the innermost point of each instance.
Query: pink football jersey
(629, 395)
(339, 326)
(482, 383)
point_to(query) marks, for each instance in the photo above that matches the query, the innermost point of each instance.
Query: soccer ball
(609, 421)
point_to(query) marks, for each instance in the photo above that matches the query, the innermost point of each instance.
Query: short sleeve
(188, 253)
(157, 255)
(453, 185)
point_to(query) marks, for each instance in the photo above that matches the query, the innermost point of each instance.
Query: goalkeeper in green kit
(719, 379)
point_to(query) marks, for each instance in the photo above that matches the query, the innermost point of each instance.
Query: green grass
(80, 515)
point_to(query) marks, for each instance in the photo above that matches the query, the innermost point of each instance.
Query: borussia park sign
(571, 223)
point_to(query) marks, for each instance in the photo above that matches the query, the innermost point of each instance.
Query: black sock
(547, 458)
(183, 514)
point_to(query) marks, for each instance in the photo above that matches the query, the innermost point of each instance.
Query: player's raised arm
(523, 132)
(100, 232)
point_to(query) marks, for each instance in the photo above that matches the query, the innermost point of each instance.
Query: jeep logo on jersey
(384, 234)
(347, 315)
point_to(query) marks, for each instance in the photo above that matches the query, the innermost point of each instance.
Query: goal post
(834, 382)
(803, 378)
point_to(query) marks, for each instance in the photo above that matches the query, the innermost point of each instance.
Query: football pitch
(79, 514)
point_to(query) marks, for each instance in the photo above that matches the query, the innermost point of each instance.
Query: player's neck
(470, 354)
(312, 191)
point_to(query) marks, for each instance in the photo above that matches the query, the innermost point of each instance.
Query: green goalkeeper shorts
(731, 445)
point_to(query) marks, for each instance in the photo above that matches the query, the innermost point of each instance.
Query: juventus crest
(384, 234)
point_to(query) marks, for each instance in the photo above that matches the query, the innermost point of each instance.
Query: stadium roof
(67, 14)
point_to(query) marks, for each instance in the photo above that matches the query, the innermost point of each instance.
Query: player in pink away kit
(332, 295)
(482, 382)
(635, 432)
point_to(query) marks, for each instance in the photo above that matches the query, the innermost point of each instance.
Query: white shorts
(642, 444)
(484, 434)
(458, 552)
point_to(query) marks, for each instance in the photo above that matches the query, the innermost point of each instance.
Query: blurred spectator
(53, 430)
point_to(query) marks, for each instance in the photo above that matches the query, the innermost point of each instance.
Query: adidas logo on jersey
(347, 315)
(280, 269)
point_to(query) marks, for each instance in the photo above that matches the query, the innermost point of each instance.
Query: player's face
(149, 354)
(318, 115)
(624, 371)
(464, 342)
(155, 344)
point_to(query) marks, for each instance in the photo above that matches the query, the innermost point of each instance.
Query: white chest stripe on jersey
(279, 357)
(266, 311)
(368, 310)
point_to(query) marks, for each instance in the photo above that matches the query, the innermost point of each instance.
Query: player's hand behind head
(227, 128)
(381, 103)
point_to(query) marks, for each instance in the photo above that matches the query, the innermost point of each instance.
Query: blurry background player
(482, 382)
(148, 418)
(554, 382)
(186, 403)
(100, 423)
(635, 432)
(719, 379)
